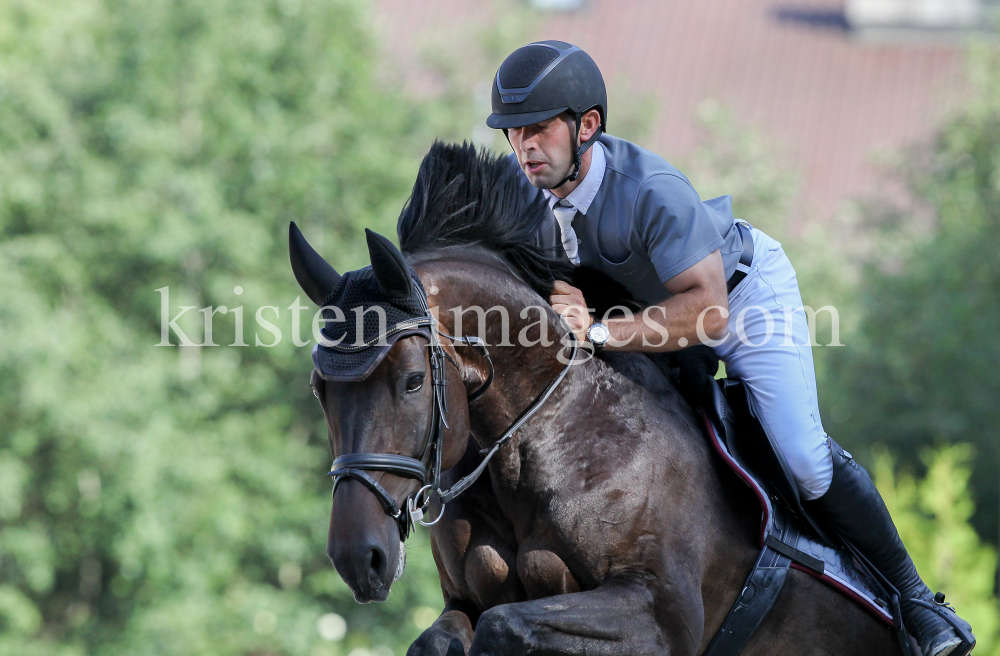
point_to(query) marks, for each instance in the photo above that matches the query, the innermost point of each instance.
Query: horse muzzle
(369, 571)
(364, 544)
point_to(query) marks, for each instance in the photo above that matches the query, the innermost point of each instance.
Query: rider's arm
(680, 236)
(698, 295)
(692, 313)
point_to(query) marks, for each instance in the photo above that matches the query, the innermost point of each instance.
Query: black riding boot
(854, 507)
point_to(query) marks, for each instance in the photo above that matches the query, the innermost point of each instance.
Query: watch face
(598, 333)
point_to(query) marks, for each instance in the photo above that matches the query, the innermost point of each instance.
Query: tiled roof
(790, 68)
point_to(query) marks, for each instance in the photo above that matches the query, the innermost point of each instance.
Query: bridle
(427, 468)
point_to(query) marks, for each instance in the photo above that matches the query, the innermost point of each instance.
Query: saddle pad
(836, 567)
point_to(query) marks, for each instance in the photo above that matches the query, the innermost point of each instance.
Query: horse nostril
(377, 563)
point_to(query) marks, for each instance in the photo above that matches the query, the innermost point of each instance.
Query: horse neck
(595, 400)
(521, 372)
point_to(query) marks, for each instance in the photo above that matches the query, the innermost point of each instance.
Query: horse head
(386, 432)
(396, 383)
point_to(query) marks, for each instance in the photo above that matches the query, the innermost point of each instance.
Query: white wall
(914, 13)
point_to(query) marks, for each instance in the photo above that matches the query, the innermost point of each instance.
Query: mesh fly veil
(350, 354)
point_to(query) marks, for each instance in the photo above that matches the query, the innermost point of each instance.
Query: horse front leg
(618, 617)
(451, 633)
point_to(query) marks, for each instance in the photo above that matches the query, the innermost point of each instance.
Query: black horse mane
(465, 197)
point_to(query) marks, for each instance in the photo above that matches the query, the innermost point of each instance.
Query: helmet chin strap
(578, 152)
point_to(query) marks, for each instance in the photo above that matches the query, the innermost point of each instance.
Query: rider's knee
(816, 482)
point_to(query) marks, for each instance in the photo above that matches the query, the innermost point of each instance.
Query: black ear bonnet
(349, 354)
(365, 312)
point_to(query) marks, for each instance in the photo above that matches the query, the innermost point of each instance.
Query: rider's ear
(389, 267)
(316, 278)
(591, 120)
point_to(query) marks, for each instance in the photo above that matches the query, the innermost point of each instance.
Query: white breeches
(768, 347)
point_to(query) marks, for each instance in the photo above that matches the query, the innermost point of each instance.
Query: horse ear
(389, 267)
(316, 278)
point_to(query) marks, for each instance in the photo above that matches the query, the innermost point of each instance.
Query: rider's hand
(568, 302)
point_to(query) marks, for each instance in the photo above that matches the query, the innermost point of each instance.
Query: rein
(427, 468)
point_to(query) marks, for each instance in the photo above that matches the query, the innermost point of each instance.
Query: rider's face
(544, 151)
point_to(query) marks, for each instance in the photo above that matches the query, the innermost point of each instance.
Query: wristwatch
(598, 334)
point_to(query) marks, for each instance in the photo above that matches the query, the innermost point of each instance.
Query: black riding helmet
(545, 79)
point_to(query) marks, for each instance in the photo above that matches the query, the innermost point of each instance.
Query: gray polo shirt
(646, 224)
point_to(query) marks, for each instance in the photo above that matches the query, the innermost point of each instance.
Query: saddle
(789, 538)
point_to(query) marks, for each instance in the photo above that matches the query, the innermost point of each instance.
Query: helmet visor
(506, 121)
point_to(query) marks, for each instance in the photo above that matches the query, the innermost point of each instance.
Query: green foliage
(932, 516)
(733, 158)
(453, 69)
(164, 500)
(156, 500)
(921, 367)
(631, 112)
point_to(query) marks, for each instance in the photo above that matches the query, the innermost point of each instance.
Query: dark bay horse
(605, 525)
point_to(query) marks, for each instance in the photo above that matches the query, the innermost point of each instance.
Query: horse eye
(414, 382)
(315, 392)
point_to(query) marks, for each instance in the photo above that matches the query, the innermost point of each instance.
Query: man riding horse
(707, 277)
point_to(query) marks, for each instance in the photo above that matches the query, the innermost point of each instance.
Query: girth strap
(797, 555)
(759, 593)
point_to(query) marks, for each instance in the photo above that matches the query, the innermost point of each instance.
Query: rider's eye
(414, 382)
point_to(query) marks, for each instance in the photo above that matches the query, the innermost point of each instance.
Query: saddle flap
(786, 531)
(752, 446)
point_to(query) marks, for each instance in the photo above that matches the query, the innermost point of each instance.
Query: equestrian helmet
(545, 79)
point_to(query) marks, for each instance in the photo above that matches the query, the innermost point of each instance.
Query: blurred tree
(932, 515)
(741, 160)
(159, 500)
(156, 500)
(453, 66)
(922, 367)
(733, 157)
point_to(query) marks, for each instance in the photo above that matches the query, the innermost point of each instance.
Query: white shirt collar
(586, 191)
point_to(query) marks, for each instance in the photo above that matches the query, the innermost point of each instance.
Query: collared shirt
(581, 197)
(646, 223)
